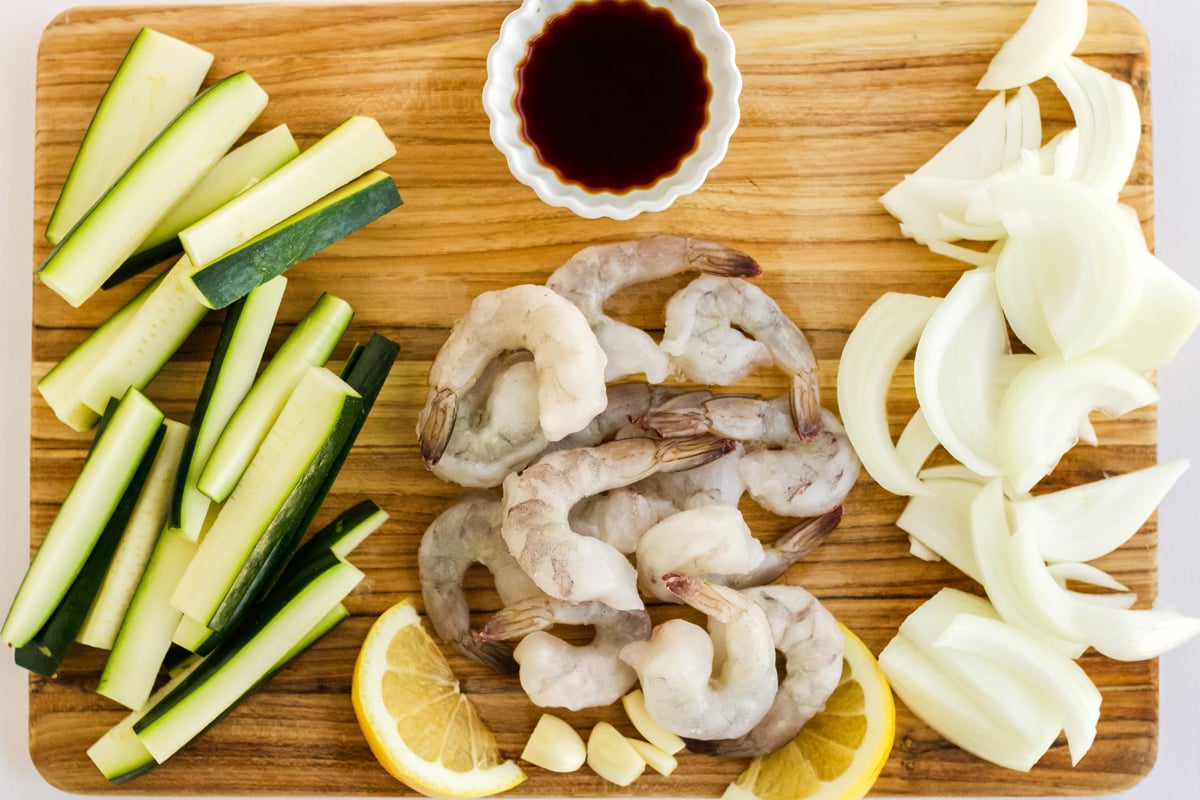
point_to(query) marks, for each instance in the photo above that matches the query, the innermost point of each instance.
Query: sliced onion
(916, 443)
(919, 550)
(966, 255)
(1040, 413)
(1088, 521)
(940, 519)
(954, 367)
(1078, 255)
(1162, 322)
(1066, 571)
(1044, 41)
(1065, 684)
(886, 333)
(1109, 119)
(977, 151)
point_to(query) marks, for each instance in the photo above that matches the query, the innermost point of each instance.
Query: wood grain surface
(841, 99)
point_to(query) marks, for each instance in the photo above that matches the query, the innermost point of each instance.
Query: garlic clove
(612, 757)
(655, 734)
(554, 745)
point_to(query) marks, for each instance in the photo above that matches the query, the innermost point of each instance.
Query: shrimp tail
(700, 594)
(742, 747)
(716, 259)
(517, 621)
(805, 401)
(673, 424)
(437, 425)
(804, 538)
(693, 451)
(496, 656)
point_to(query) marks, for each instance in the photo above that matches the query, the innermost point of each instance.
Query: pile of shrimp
(594, 485)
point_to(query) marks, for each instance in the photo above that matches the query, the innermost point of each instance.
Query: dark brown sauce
(612, 94)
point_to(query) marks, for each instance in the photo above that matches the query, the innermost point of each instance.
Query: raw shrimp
(566, 355)
(497, 430)
(784, 474)
(621, 516)
(714, 685)
(596, 273)
(719, 330)
(467, 533)
(537, 503)
(811, 641)
(626, 403)
(716, 544)
(557, 674)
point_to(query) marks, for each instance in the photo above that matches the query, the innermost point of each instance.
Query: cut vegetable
(160, 177)
(136, 544)
(554, 745)
(237, 171)
(1109, 121)
(660, 761)
(346, 532)
(60, 386)
(1045, 40)
(230, 375)
(634, 704)
(275, 491)
(309, 344)
(940, 519)
(296, 238)
(612, 757)
(348, 151)
(886, 333)
(1164, 319)
(157, 79)
(48, 647)
(146, 342)
(110, 466)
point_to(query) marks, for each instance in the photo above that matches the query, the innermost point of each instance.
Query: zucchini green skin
(111, 464)
(342, 534)
(163, 174)
(45, 651)
(298, 237)
(158, 76)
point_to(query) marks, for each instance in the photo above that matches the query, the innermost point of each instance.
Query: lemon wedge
(841, 751)
(420, 726)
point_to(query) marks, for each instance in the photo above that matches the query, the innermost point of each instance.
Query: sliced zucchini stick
(47, 649)
(157, 79)
(110, 466)
(160, 177)
(141, 533)
(310, 344)
(346, 152)
(238, 170)
(296, 238)
(238, 354)
(344, 533)
(60, 386)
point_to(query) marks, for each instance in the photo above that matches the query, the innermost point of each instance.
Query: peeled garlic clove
(658, 760)
(612, 757)
(655, 734)
(554, 745)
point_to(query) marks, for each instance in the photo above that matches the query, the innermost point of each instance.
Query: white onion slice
(919, 550)
(886, 333)
(1066, 571)
(1045, 40)
(1164, 319)
(1088, 521)
(1065, 684)
(1107, 114)
(966, 255)
(1080, 254)
(975, 152)
(1040, 414)
(1011, 597)
(940, 519)
(1031, 119)
(916, 443)
(954, 367)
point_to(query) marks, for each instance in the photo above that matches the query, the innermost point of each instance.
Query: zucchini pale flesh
(238, 354)
(309, 344)
(160, 177)
(237, 171)
(296, 238)
(48, 647)
(107, 472)
(346, 152)
(157, 79)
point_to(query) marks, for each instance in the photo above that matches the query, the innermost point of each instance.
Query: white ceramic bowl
(499, 96)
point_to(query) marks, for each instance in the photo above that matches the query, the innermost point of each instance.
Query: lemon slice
(423, 730)
(841, 751)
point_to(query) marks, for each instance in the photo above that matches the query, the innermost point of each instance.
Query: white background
(1173, 26)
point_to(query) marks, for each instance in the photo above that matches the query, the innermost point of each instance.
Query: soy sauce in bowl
(612, 95)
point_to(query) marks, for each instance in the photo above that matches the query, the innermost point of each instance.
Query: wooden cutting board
(841, 99)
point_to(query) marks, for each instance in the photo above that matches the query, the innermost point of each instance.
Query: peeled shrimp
(811, 641)
(468, 533)
(557, 674)
(621, 516)
(784, 474)
(537, 503)
(714, 685)
(716, 544)
(497, 430)
(719, 330)
(596, 273)
(568, 360)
